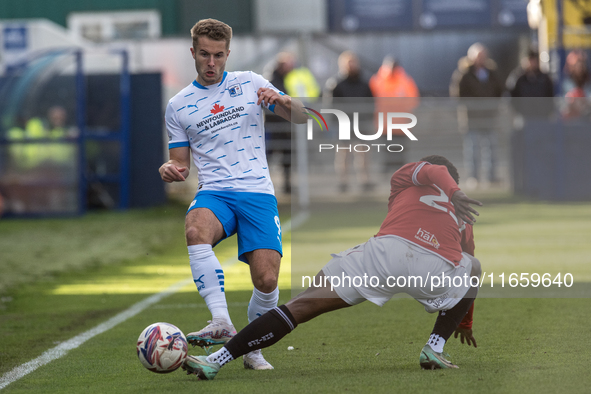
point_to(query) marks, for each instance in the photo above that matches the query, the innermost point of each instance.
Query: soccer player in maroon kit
(426, 235)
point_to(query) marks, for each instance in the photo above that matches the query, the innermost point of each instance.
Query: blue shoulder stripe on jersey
(178, 144)
(180, 109)
(244, 83)
(271, 108)
(252, 102)
(198, 85)
(190, 94)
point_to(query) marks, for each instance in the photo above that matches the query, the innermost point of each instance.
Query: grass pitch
(524, 345)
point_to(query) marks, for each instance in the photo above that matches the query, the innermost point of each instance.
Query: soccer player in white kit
(218, 121)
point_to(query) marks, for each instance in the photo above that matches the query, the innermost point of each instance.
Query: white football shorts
(388, 265)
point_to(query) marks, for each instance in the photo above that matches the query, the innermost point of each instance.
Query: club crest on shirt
(427, 237)
(235, 90)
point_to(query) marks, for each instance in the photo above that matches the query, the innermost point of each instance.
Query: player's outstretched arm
(288, 108)
(177, 168)
(462, 206)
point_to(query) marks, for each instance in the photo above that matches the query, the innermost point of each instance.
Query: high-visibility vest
(300, 82)
(16, 149)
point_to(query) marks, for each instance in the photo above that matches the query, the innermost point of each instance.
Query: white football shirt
(223, 126)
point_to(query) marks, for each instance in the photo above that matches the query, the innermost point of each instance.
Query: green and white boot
(430, 359)
(198, 365)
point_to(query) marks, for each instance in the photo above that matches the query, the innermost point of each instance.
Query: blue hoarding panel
(365, 15)
(380, 15)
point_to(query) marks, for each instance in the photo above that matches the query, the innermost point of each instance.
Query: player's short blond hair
(212, 29)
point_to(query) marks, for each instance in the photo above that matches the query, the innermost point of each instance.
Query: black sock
(449, 320)
(263, 332)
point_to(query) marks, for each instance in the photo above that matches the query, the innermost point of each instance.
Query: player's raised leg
(432, 355)
(203, 229)
(267, 329)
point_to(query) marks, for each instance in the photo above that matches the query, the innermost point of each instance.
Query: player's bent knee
(196, 236)
(265, 283)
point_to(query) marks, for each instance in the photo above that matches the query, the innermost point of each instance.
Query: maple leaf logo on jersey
(216, 109)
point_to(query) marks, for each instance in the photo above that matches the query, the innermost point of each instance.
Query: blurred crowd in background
(512, 52)
(476, 76)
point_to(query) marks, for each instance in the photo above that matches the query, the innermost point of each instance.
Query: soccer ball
(162, 347)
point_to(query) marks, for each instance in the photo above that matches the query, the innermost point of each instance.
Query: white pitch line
(63, 348)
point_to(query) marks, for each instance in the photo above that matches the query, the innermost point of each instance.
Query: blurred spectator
(532, 98)
(476, 76)
(300, 82)
(576, 72)
(350, 83)
(528, 80)
(391, 81)
(278, 131)
(25, 154)
(284, 63)
(577, 86)
(62, 153)
(296, 81)
(17, 150)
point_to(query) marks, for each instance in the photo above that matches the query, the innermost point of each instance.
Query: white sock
(436, 343)
(221, 357)
(260, 303)
(209, 279)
